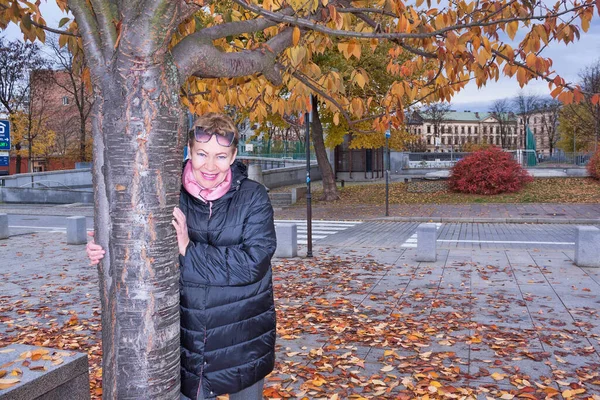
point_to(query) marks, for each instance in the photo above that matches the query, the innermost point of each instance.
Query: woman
(226, 238)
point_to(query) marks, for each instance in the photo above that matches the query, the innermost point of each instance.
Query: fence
(268, 163)
(559, 159)
(434, 160)
(527, 158)
(291, 150)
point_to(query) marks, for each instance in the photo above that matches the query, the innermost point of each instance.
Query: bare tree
(69, 79)
(435, 114)
(551, 111)
(17, 61)
(501, 112)
(590, 82)
(525, 104)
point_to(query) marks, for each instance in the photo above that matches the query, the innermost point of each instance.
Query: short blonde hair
(215, 123)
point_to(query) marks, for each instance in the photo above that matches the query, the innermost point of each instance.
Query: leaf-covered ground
(548, 190)
(352, 325)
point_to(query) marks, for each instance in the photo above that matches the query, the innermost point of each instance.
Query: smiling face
(211, 161)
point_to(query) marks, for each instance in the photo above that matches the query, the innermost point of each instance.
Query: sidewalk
(366, 322)
(499, 213)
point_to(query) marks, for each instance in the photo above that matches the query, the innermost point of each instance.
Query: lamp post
(388, 133)
(307, 121)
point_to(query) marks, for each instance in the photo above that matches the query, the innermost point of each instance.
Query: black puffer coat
(227, 309)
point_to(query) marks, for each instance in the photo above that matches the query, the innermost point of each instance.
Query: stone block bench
(45, 374)
(287, 240)
(3, 226)
(587, 246)
(426, 243)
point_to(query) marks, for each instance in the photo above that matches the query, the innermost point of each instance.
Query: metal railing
(267, 163)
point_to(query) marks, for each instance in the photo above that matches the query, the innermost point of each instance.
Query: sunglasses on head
(224, 139)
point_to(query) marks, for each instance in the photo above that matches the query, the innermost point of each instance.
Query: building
(457, 129)
(50, 125)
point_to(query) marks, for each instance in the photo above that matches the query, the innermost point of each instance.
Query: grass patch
(543, 190)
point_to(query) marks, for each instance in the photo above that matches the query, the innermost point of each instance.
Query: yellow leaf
(387, 368)
(360, 80)
(296, 36)
(511, 29)
(497, 377)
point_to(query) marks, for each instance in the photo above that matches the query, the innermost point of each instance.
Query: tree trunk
(138, 147)
(18, 159)
(330, 192)
(82, 135)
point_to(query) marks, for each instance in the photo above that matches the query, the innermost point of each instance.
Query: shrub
(593, 166)
(489, 171)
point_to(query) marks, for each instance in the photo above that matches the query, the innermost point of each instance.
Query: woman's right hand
(94, 251)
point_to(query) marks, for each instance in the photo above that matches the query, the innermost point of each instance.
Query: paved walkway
(363, 319)
(501, 213)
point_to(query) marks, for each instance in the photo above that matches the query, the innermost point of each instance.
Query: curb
(510, 220)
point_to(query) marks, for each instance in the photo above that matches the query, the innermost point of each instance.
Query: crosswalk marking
(320, 229)
(412, 241)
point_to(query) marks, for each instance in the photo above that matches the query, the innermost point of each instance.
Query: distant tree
(78, 87)
(38, 135)
(551, 109)
(590, 81)
(435, 114)
(525, 104)
(17, 61)
(580, 123)
(501, 112)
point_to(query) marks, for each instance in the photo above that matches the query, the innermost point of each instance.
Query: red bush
(489, 171)
(593, 166)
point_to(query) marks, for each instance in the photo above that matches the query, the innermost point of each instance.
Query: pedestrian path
(412, 240)
(320, 229)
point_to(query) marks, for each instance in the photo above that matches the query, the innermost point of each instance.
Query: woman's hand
(94, 251)
(180, 224)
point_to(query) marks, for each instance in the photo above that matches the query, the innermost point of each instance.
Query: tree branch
(236, 28)
(89, 29)
(47, 28)
(306, 81)
(304, 23)
(202, 59)
(105, 16)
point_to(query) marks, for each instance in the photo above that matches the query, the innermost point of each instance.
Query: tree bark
(330, 192)
(138, 147)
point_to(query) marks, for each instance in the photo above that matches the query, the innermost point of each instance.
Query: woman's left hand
(180, 224)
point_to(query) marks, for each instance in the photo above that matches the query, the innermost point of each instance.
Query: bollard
(76, 230)
(287, 240)
(426, 242)
(587, 246)
(3, 226)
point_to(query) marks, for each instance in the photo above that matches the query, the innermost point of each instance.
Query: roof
(464, 116)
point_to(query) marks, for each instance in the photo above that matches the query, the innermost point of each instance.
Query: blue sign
(4, 160)
(388, 134)
(4, 135)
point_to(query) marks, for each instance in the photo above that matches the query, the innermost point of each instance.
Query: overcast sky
(568, 62)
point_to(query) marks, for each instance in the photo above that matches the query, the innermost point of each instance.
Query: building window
(462, 129)
(476, 130)
(428, 128)
(469, 130)
(535, 120)
(65, 101)
(485, 130)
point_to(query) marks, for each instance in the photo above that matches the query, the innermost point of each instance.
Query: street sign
(4, 135)
(388, 134)
(4, 159)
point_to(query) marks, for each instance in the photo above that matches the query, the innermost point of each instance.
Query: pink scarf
(206, 195)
